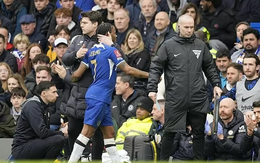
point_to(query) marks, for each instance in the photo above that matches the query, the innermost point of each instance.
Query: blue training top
(102, 60)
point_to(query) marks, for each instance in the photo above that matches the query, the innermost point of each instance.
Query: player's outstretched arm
(132, 71)
(76, 75)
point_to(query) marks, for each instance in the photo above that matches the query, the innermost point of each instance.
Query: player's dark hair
(104, 28)
(256, 104)
(257, 61)
(236, 66)
(44, 85)
(126, 79)
(94, 16)
(18, 92)
(42, 58)
(250, 31)
(223, 53)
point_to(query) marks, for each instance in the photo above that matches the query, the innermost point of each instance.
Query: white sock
(78, 148)
(110, 146)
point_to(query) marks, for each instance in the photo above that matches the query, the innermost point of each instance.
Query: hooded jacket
(33, 122)
(229, 147)
(182, 60)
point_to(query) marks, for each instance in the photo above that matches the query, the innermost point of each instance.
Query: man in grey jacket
(182, 59)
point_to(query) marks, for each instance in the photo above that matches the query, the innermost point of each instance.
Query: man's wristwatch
(255, 130)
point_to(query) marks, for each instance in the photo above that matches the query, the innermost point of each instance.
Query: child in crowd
(139, 125)
(21, 43)
(18, 96)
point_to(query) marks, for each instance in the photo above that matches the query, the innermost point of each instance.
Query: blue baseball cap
(27, 18)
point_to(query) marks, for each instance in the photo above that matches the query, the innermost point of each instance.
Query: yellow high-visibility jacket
(132, 127)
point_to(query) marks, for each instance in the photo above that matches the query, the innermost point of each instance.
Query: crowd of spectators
(46, 40)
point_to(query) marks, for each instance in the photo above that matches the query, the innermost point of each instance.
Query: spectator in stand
(63, 18)
(244, 10)
(138, 57)
(219, 22)
(250, 41)
(28, 24)
(60, 47)
(234, 74)
(33, 50)
(240, 27)
(173, 7)
(125, 101)
(30, 79)
(134, 10)
(18, 96)
(4, 31)
(68, 4)
(14, 81)
(5, 73)
(222, 61)
(112, 6)
(13, 10)
(21, 43)
(121, 19)
(6, 56)
(7, 122)
(192, 10)
(139, 125)
(60, 32)
(100, 5)
(162, 33)
(43, 13)
(28, 134)
(145, 23)
(84, 5)
(225, 145)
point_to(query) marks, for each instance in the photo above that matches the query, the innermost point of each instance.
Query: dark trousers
(74, 129)
(48, 148)
(197, 121)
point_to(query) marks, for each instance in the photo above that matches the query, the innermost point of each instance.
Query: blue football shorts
(97, 114)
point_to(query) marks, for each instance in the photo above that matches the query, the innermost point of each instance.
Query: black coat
(43, 18)
(229, 147)
(122, 112)
(221, 25)
(10, 59)
(182, 60)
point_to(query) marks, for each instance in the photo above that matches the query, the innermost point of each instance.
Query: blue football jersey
(103, 61)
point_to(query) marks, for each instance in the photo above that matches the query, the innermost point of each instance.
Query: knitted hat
(146, 103)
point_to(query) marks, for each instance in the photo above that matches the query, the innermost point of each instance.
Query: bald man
(231, 129)
(182, 59)
(163, 32)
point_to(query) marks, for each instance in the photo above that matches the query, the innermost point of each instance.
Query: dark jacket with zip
(33, 123)
(182, 60)
(122, 112)
(229, 147)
